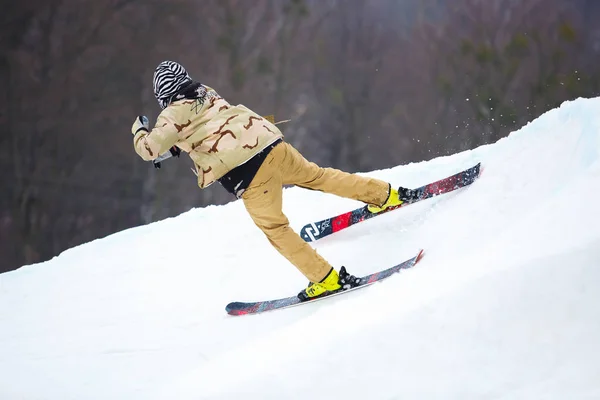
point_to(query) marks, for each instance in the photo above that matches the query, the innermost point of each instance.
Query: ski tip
(420, 256)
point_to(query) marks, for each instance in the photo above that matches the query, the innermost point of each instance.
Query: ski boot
(396, 198)
(332, 283)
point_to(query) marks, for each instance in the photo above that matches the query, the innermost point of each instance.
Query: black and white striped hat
(169, 78)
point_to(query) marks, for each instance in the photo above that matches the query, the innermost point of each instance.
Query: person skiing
(248, 156)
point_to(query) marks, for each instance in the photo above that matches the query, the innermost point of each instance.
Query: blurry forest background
(367, 84)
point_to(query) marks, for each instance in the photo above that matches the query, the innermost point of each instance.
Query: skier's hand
(141, 123)
(175, 151)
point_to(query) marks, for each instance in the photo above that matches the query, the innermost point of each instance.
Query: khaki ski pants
(284, 165)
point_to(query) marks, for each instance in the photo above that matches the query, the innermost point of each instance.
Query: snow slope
(505, 304)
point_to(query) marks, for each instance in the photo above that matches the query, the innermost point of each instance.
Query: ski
(241, 308)
(317, 230)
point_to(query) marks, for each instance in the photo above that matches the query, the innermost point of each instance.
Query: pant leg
(263, 201)
(300, 172)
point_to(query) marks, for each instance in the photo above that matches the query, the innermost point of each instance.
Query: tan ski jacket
(218, 136)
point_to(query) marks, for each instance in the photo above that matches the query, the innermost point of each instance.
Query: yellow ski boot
(332, 283)
(396, 198)
(392, 200)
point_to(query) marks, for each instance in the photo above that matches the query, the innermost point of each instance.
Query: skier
(247, 155)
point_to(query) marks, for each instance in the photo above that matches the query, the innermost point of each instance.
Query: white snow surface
(504, 305)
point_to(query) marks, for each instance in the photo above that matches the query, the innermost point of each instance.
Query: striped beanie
(169, 78)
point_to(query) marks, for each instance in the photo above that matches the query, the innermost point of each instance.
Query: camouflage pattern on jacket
(217, 135)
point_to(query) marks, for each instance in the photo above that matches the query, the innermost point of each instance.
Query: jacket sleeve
(150, 145)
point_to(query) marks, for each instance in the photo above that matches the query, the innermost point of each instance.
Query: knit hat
(169, 78)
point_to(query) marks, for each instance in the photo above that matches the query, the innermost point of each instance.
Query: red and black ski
(317, 230)
(256, 307)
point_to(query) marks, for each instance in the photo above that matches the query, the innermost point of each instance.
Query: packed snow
(504, 305)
